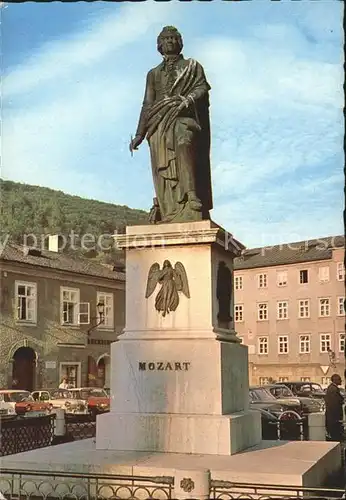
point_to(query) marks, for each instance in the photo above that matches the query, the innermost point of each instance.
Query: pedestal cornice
(189, 233)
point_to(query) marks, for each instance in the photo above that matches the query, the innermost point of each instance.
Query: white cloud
(275, 108)
(59, 58)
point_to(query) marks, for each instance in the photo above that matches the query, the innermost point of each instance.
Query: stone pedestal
(179, 382)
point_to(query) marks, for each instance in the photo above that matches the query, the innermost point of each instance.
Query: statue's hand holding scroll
(184, 102)
(135, 142)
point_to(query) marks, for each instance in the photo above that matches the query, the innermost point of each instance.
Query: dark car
(306, 404)
(260, 398)
(284, 397)
(308, 389)
(268, 422)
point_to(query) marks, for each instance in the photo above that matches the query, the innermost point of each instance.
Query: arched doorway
(24, 367)
(103, 371)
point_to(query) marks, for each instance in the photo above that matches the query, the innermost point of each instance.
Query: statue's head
(166, 264)
(169, 41)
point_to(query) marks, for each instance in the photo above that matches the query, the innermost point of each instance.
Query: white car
(7, 409)
(60, 398)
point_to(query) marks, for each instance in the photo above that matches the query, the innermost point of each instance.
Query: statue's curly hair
(169, 30)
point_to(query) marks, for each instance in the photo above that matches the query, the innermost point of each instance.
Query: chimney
(53, 242)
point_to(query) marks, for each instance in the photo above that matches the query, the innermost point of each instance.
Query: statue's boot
(194, 201)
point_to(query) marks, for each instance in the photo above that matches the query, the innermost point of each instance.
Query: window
(304, 344)
(26, 301)
(324, 305)
(305, 379)
(283, 344)
(84, 313)
(341, 342)
(72, 372)
(263, 345)
(323, 274)
(283, 379)
(263, 380)
(69, 306)
(324, 342)
(303, 276)
(238, 282)
(262, 280)
(340, 271)
(107, 300)
(262, 311)
(282, 310)
(325, 381)
(304, 308)
(238, 310)
(281, 278)
(341, 306)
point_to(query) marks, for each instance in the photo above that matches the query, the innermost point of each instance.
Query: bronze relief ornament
(172, 280)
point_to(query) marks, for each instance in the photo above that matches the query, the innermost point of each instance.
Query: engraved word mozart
(164, 366)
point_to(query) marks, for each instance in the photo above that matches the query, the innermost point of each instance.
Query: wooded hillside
(27, 209)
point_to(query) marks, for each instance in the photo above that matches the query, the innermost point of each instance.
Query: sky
(73, 84)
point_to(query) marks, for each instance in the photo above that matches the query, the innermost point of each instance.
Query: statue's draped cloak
(164, 127)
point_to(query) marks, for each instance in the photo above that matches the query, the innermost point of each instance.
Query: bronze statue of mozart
(175, 121)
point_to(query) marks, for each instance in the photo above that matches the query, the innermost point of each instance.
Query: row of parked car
(80, 401)
(275, 400)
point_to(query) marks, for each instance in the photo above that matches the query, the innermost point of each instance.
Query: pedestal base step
(297, 463)
(172, 433)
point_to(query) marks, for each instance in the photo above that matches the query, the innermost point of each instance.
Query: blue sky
(74, 77)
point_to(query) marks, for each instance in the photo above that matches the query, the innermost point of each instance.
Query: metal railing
(44, 485)
(225, 490)
(24, 434)
(49, 485)
(80, 427)
(290, 425)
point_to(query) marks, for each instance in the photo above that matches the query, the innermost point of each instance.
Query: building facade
(290, 310)
(59, 315)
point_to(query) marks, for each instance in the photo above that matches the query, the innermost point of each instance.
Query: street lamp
(100, 309)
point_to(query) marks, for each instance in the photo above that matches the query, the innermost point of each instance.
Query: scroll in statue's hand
(136, 141)
(184, 102)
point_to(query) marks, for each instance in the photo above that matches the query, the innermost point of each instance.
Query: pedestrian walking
(63, 384)
(334, 416)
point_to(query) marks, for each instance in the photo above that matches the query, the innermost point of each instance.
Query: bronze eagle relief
(172, 280)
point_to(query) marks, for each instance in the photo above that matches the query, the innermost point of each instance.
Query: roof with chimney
(60, 261)
(276, 255)
(289, 253)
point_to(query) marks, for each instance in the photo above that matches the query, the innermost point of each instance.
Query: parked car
(264, 401)
(61, 398)
(7, 409)
(24, 404)
(309, 389)
(263, 394)
(307, 405)
(261, 399)
(268, 420)
(96, 400)
(285, 398)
